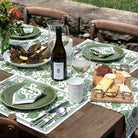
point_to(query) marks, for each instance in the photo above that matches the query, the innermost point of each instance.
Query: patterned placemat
(26, 116)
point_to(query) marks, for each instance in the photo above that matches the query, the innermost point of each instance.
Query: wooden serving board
(117, 99)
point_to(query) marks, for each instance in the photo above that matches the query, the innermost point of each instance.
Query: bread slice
(112, 92)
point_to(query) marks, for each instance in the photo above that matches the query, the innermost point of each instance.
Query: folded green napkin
(27, 94)
(24, 31)
(102, 51)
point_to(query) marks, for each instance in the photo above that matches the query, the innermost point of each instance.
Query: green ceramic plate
(47, 98)
(118, 52)
(35, 33)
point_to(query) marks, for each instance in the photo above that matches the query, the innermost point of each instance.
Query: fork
(131, 62)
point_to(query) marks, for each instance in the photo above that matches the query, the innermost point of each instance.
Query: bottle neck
(58, 30)
(58, 38)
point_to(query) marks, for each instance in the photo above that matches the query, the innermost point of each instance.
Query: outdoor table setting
(26, 114)
(39, 75)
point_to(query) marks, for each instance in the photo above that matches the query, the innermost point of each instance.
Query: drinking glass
(52, 36)
(52, 31)
(65, 35)
(81, 65)
(67, 42)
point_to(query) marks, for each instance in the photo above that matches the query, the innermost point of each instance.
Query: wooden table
(90, 121)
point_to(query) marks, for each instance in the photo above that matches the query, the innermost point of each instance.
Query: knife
(34, 122)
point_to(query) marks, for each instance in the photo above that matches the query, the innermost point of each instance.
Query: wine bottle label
(58, 70)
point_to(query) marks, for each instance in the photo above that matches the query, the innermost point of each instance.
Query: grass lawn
(127, 5)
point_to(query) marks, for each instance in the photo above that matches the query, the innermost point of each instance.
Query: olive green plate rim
(36, 32)
(19, 106)
(117, 49)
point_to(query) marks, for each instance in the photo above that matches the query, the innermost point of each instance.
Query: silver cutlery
(135, 61)
(59, 113)
(131, 62)
(78, 48)
(34, 122)
(133, 68)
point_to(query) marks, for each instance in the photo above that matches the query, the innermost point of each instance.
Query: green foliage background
(127, 5)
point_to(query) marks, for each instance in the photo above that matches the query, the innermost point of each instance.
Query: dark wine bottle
(58, 58)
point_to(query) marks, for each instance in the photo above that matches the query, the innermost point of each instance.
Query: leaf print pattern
(135, 112)
(28, 93)
(28, 73)
(54, 83)
(22, 96)
(125, 112)
(135, 89)
(41, 74)
(59, 98)
(32, 115)
(116, 105)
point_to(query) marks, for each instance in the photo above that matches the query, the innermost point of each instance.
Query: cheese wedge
(119, 78)
(103, 85)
